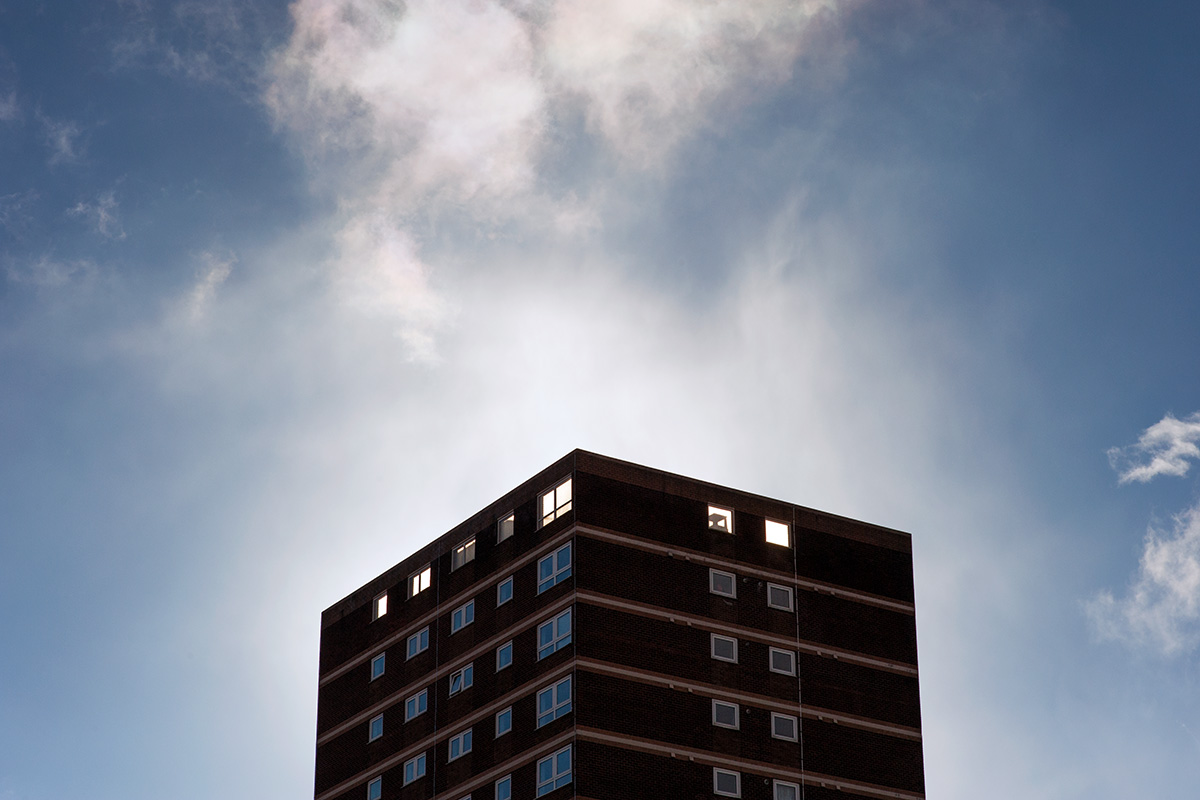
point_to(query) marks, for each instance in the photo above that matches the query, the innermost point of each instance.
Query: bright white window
(786, 791)
(504, 656)
(554, 701)
(554, 634)
(414, 768)
(378, 664)
(722, 583)
(779, 597)
(375, 730)
(724, 648)
(783, 661)
(379, 606)
(726, 783)
(415, 706)
(784, 726)
(419, 581)
(375, 789)
(462, 679)
(778, 533)
(504, 788)
(504, 721)
(462, 554)
(459, 745)
(504, 592)
(554, 568)
(506, 527)
(418, 642)
(554, 771)
(725, 715)
(720, 519)
(555, 503)
(463, 616)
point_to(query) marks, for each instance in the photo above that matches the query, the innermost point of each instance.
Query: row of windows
(727, 783)
(728, 715)
(725, 584)
(553, 771)
(721, 519)
(725, 648)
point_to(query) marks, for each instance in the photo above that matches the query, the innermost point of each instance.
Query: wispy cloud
(9, 108)
(48, 272)
(63, 140)
(101, 215)
(1165, 448)
(212, 271)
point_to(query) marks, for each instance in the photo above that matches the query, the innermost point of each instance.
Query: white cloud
(63, 140)
(1162, 607)
(48, 272)
(213, 270)
(1165, 448)
(9, 109)
(102, 215)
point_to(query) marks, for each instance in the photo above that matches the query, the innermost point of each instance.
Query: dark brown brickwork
(643, 682)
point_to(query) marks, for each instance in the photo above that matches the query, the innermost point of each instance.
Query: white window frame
(417, 763)
(713, 648)
(463, 554)
(713, 574)
(506, 526)
(506, 646)
(462, 616)
(375, 788)
(421, 638)
(466, 677)
(371, 735)
(777, 785)
(420, 580)
(737, 779)
(555, 502)
(773, 529)
(778, 651)
(421, 704)
(737, 714)
(381, 660)
(500, 599)
(464, 741)
(558, 639)
(557, 707)
(557, 572)
(795, 737)
(791, 600)
(379, 606)
(720, 511)
(507, 781)
(500, 714)
(556, 779)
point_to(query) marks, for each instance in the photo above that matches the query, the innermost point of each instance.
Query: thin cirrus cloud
(101, 214)
(1165, 448)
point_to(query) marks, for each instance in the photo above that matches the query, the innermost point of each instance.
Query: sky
(288, 290)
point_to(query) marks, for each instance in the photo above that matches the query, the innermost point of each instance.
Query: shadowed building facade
(608, 631)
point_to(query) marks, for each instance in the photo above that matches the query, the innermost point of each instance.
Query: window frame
(774, 651)
(727, 515)
(501, 713)
(737, 779)
(558, 639)
(506, 646)
(559, 508)
(712, 648)
(457, 623)
(371, 735)
(557, 779)
(791, 604)
(381, 660)
(795, 737)
(767, 528)
(421, 637)
(467, 675)
(421, 699)
(558, 708)
(507, 781)
(737, 715)
(558, 573)
(500, 599)
(776, 785)
(713, 574)
(511, 519)
(465, 741)
(379, 606)
(375, 788)
(420, 580)
(417, 761)
(462, 554)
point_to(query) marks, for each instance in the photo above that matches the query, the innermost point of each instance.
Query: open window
(720, 519)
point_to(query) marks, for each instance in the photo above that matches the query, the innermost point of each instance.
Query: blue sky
(286, 291)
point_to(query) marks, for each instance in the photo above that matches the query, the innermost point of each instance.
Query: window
(726, 783)
(784, 727)
(414, 768)
(505, 528)
(724, 648)
(375, 789)
(720, 519)
(416, 705)
(786, 791)
(378, 663)
(554, 634)
(459, 745)
(722, 583)
(379, 606)
(554, 771)
(554, 568)
(462, 679)
(418, 642)
(783, 661)
(554, 701)
(375, 729)
(462, 554)
(725, 715)
(419, 581)
(778, 533)
(504, 592)
(504, 788)
(555, 503)
(504, 722)
(504, 656)
(463, 616)
(779, 597)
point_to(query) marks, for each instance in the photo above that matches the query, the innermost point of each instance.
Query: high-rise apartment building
(607, 631)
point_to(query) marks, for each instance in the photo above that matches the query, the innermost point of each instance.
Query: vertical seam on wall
(799, 679)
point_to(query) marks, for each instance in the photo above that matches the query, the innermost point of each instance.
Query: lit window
(505, 528)
(463, 616)
(377, 665)
(554, 568)
(784, 726)
(418, 642)
(414, 768)
(459, 745)
(554, 634)
(375, 789)
(504, 721)
(726, 783)
(724, 715)
(778, 533)
(462, 679)
(504, 656)
(379, 607)
(779, 597)
(554, 771)
(722, 583)
(504, 592)
(553, 702)
(463, 553)
(376, 728)
(555, 502)
(783, 661)
(504, 788)
(786, 791)
(724, 648)
(419, 581)
(416, 705)
(720, 519)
